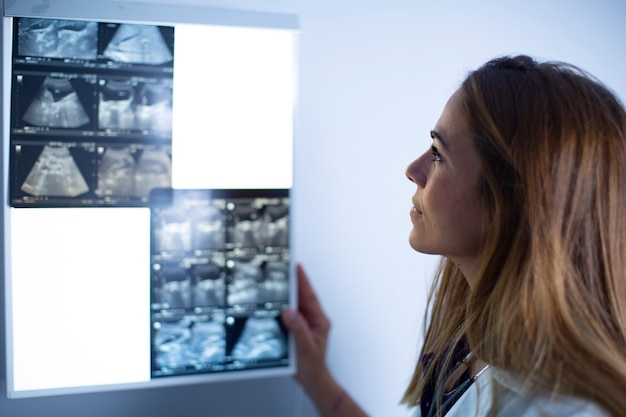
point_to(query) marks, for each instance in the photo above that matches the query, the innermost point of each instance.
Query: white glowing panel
(80, 296)
(238, 131)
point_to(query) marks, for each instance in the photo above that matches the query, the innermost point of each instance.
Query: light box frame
(159, 15)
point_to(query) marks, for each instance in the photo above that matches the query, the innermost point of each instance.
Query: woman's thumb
(291, 319)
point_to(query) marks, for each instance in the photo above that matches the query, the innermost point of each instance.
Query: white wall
(374, 76)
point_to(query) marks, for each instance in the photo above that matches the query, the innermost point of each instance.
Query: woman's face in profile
(446, 212)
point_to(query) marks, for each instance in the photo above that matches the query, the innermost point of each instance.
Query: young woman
(523, 193)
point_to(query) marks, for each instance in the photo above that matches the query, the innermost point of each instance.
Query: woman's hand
(309, 327)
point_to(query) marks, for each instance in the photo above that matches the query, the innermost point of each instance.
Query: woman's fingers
(309, 327)
(309, 304)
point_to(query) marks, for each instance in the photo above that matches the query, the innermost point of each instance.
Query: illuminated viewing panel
(147, 181)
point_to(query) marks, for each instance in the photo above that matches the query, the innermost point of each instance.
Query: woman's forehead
(451, 130)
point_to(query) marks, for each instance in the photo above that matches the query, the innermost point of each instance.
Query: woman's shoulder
(513, 401)
(544, 406)
(518, 401)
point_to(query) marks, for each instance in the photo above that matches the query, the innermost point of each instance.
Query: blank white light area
(233, 107)
(81, 293)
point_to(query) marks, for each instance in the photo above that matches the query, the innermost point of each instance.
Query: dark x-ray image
(190, 224)
(188, 344)
(276, 231)
(275, 285)
(135, 105)
(172, 286)
(154, 170)
(264, 225)
(201, 220)
(51, 38)
(198, 272)
(208, 231)
(258, 281)
(132, 170)
(56, 103)
(186, 285)
(246, 276)
(247, 228)
(138, 44)
(56, 174)
(209, 287)
(116, 171)
(68, 89)
(171, 230)
(261, 339)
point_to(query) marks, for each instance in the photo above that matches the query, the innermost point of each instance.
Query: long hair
(549, 302)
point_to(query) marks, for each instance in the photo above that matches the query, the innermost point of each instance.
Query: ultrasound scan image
(172, 230)
(56, 105)
(115, 106)
(244, 288)
(62, 39)
(275, 230)
(209, 285)
(55, 174)
(116, 171)
(258, 282)
(247, 228)
(275, 284)
(208, 342)
(260, 226)
(188, 343)
(260, 339)
(153, 109)
(138, 44)
(128, 104)
(173, 287)
(209, 230)
(154, 170)
(215, 305)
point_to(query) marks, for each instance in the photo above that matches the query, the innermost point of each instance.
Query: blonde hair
(549, 302)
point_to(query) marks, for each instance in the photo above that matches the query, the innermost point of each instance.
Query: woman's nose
(415, 172)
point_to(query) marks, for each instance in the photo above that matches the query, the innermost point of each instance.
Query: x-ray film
(154, 170)
(258, 281)
(203, 265)
(61, 173)
(187, 345)
(56, 105)
(53, 38)
(138, 44)
(131, 172)
(47, 103)
(55, 174)
(116, 171)
(261, 339)
(129, 104)
(51, 171)
(106, 87)
(209, 286)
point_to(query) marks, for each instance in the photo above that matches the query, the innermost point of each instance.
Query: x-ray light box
(147, 178)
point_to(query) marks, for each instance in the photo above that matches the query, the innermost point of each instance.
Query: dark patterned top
(428, 401)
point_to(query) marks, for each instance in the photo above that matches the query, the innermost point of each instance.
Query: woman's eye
(436, 154)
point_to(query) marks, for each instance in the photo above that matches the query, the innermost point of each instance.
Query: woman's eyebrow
(436, 136)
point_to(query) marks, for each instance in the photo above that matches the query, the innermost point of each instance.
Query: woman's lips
(415, 212)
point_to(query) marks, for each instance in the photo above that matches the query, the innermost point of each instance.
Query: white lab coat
(514, 401)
